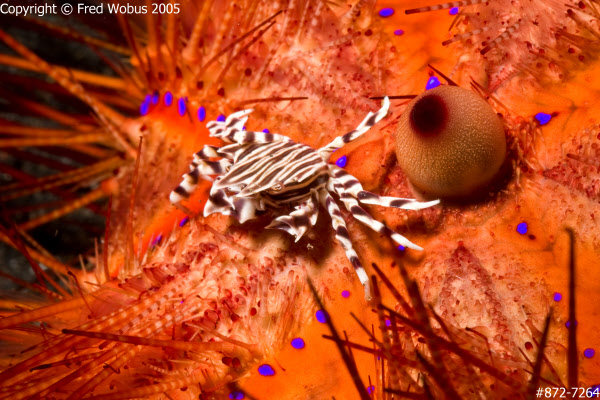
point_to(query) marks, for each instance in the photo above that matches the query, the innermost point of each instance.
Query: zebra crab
(259, 170)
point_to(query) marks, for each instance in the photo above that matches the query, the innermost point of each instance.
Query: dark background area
(74, 234)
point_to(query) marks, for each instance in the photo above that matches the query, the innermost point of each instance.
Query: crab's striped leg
(232, 130)
(205, 154)
(363, 216)
(234, 122)
(201, 166)
(353, 186)
(218, 202)
(245, 137)
(242, 209)
(370, 120)
(300, 220)
(341, 234)
(190, 180)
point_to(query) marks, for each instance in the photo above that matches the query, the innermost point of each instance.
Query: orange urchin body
(183, 311)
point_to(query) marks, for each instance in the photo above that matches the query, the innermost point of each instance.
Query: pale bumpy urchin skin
(542, 42)
(463, 149)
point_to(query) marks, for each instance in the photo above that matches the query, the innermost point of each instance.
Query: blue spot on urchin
(589, 353)
(433, 82)
(386, 12)
(144, 107)
(236, 395)
(522, 228)
(157, 240)
(568, 324)
(298, 343)
(201, 114)
(155, 97)
(345, 294)
(321, 316)
(543, 118)
(266, 370)
(168, 99)
(371, 389)
(453, 11)
(181, 106)
(399, 32)
(400, 248)
(221, 118)
(557, 296)
(388, 322)
(265, 130)
(184, 221)
(342, 161)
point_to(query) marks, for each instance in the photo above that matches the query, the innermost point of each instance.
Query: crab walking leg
(342, 235)
(235, 122)
(241, 208)
(246, 137)
(218, 202)
(205, 154)
(370, 120)
(232, 130)
(300, 220)
(353, 186)
(190, 180)
(363, 216)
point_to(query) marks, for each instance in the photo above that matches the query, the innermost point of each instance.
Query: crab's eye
(450, 143)
(276, 188)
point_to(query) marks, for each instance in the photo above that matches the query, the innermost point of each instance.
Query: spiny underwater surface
(174, 306)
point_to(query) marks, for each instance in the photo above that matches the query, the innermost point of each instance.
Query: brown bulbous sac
(450, 143)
